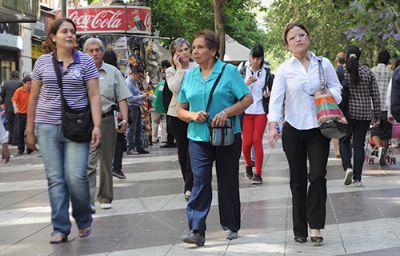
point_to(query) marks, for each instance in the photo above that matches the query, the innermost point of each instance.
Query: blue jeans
(134, 135)
(202, 156)
(65, 165)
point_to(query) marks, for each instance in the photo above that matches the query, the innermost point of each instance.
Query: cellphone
(117, 119)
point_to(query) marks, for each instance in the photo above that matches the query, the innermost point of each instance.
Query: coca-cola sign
(128, 19)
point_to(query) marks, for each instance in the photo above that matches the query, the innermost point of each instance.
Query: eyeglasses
(180, 40)
(300, 36)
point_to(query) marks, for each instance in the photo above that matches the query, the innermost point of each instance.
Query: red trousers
(253, 133)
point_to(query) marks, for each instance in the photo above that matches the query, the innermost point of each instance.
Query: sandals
(85, 232)
(57, 238)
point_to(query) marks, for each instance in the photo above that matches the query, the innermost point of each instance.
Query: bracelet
(124, 121)
(223, 111)
(97, 128)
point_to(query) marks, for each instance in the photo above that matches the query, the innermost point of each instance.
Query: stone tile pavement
(148, 214)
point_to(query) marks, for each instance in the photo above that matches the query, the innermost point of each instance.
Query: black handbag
(220, 136)
(77, 124)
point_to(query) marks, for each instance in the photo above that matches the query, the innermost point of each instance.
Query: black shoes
(300, 239)
(142, 151)
(195, 237)
(257, 180)
(118, 174)
(249, 172)
(316, 240)
(168, 146)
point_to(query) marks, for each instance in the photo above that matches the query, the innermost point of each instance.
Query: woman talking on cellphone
(181, 63)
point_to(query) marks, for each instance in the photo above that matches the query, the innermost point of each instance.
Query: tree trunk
(219, 26)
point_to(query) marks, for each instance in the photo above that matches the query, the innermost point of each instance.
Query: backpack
(166, 95)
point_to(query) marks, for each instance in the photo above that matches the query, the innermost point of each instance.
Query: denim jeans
(65, 165)
(134, 135)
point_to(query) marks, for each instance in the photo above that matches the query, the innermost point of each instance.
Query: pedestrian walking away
(65, 161)
(295, 83)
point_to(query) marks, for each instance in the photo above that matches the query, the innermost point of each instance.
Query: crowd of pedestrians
(196, 94)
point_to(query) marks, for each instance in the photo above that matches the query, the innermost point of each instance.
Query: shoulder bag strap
(213, 89)
(322, 84)
(59, 80)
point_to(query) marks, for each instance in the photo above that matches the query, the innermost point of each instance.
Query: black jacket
(7, 92)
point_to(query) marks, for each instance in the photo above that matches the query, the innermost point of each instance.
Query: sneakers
(196, 238)
(348, 177)
(249, 172)
(131, 152)
(105, 206)
(257, 180)
(357, 184)
(382, 156)
(230, 235)
(118, 174)
(168, 145)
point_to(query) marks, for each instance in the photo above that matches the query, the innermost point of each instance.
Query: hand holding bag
(77, 124)
(331, 120)
(220, 136)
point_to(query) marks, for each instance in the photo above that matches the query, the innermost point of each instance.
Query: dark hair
(165, 64)
(110, 58)
(383, 57)
(56, 26)
(212, 40)
(292, 25)
(15, 74)
(27, 78)
(178, 42)
(341, 57)
(136, 69)
(353, 54)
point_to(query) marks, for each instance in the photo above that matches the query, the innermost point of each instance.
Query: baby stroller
(372, 151)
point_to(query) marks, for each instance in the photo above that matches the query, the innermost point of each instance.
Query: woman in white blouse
(181, 62)
(295, 83)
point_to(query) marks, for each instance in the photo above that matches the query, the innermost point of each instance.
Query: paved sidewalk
(148, 214)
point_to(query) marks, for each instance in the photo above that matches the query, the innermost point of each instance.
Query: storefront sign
(136, 20)
(37, 51)
(11, 41)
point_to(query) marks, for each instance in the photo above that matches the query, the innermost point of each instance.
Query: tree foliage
(369, 24)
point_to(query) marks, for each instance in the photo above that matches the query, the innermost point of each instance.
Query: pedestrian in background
(231, 98)
(363, 90)
(382, 133)
(65, 161)
(5, 152)
(113, 93)
(181, 63)
(20, 104)
(158, 114)
(295, 83)
(255, 118)
(7, 93)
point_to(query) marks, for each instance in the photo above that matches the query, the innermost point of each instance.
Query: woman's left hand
(219, 119)
(96, 137)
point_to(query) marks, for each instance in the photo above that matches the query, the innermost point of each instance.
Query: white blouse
(293, 90)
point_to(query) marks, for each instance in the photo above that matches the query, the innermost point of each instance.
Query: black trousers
(170, 136)
(21, 132)
(12, 127)
(179, 130)
(120, 146)
(308, 206)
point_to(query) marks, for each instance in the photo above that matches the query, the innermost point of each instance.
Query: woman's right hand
(200, 116)
(177, 61)
(272, 136)
(31, 141)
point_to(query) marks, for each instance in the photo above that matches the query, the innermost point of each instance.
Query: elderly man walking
(114, 95)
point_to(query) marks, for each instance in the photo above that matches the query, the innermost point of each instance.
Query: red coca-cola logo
(109, 19)
(105, 19)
